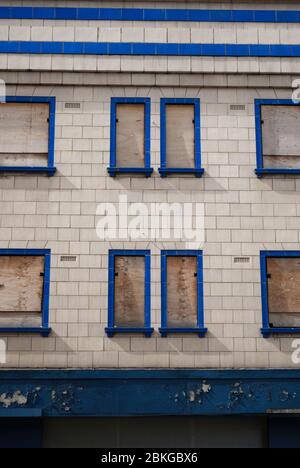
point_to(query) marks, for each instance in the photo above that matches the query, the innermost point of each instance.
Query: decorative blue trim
(44, 330)
(266, 329)
(50, 169)
(164, 170)
(112, 329)
(144, 49)
(165, 329)
(149, 14)
(94, 393)
(260, 170)
(113, 170)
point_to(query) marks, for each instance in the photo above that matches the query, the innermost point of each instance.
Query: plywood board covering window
(21, 290)
(180, 135)
(284, 291)
(24, 134)
(130, 144)
(129, 291)
(281, 136)
(182, 291)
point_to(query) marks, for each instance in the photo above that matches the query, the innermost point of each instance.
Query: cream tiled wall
(242, 216)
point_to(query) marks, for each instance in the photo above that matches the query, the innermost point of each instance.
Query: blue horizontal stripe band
(140, 14)
(153, 49)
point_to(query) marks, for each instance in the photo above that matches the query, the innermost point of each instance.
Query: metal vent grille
(241, 260)
(72, 105)
(68, 258)
(237, 107)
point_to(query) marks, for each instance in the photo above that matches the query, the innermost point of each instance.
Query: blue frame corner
(113, 169)
(266, 329)
(261, 170)
(111, 330)
(164, 170)
(200, 329)
(50, 168)
(44, 330)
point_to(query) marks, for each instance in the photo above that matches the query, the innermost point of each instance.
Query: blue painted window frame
(200, 328)
(113, 169)
(111, 329)
(260, 169)
(44, 330)
(164, 170)
(266, 330)
(50, 168)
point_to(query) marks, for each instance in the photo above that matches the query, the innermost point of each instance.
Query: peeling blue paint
(149, 392)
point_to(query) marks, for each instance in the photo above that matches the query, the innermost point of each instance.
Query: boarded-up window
(129, 291)
(130, 137)
(24, 134)
(281, 136)
(182, 292)
(284, 291)
(21, 290)
(180, 136)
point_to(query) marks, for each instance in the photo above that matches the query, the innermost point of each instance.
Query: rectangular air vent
(72, 105)
(241, 260)
(68, 258)
(237, 107)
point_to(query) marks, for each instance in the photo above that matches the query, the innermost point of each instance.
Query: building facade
(149, 230)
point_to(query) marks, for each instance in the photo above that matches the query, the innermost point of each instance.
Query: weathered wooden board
(182, 291)
(21, 283)
(23, 159)
(130, 148)
(15, 320)
(129, 291)
(24, 128)
(280, 132)
(284, 290)
(180, 136)
(286, 162)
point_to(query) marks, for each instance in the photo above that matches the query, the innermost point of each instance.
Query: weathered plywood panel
(24, 128)
(182, 291)
(21, 283)
(130, 148)
(180, 136)
(15, 319)
(285, 162)
(284, 291)
(23, 159)
(129, 291)
(281, 136)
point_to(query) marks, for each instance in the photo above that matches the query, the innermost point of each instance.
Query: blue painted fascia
(149, 49)
(150, 14)
(44, 330)
(261, 170)
(50, 169)
(114, 169)
(106, 393)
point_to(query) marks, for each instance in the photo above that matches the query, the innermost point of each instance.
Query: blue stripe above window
(148, 14)
(156, 49)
